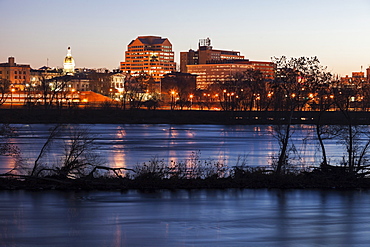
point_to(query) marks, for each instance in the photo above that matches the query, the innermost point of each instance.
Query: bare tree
(38, 165)
(79, 154)
(4, 90)
(295, 82)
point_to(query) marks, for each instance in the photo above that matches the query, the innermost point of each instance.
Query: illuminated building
(118, 82)
(211, 73)
(69, 63)
(357, 77)
(152, 55)
(17, 74)
(206, 54)
(37, 75)
(218, 65)
(219, 72)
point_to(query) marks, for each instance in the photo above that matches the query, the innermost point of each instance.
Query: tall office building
(152, 55)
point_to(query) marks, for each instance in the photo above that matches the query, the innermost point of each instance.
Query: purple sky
(98, 32)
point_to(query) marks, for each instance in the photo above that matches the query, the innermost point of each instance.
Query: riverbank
(311, 180)
(118, 116)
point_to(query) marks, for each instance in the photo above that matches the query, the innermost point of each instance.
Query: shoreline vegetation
(241, 178)
(196, 175)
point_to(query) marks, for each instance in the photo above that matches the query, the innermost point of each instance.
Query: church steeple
(69, 63)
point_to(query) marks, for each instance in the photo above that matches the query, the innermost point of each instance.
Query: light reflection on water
(185, 218)
(128, 145)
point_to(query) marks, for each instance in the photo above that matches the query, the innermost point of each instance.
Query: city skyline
(39, 32)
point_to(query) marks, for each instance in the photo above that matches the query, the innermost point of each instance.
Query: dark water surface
(128, 145)
(185, 218)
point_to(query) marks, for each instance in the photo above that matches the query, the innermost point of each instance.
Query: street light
(172, 99)
(11, 97)
(191, 100)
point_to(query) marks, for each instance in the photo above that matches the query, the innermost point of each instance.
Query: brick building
(17, 74)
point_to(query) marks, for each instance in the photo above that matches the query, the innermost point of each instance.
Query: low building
(355, 78)
(43, 73)
(118, 82)
(17, 74)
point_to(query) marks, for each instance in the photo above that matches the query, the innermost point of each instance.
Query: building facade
(152, 55)
(208, 74)
(17, 74)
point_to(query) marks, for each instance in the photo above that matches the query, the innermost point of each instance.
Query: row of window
(20, 72)
(15, 77)
(15, 72)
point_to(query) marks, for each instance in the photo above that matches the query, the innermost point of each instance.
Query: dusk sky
(336, 31)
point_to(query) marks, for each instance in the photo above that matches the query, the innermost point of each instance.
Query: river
(231, 217)
(128, 145)
(295, 218)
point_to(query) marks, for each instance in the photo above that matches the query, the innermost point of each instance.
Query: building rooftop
(150, 40)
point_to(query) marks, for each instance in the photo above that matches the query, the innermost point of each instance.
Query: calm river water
(292, 218)
(128, 145)
(181, 218)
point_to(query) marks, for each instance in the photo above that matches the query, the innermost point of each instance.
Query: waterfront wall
(117, 116)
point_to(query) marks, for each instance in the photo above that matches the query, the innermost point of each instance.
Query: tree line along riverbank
(118, 116)
(240, 178)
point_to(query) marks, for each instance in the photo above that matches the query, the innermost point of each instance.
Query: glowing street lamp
(172, 99)
(11, 97)
(191, 100)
